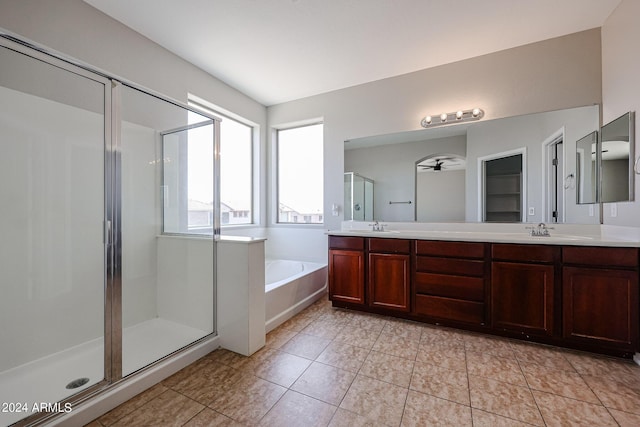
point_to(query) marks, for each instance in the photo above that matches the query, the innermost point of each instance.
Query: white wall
(554, 74)
(621, 88)
(51, 251)
(392, 167)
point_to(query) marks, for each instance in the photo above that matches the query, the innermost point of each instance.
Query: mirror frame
(631, 174)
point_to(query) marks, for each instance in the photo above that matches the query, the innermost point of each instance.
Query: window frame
(275, 167)
(209, 108)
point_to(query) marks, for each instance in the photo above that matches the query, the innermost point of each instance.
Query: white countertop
(560, 234)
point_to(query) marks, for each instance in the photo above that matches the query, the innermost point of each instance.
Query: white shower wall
(51, 252)
(141, 223)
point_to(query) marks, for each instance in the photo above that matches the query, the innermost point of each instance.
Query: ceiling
(280, 50)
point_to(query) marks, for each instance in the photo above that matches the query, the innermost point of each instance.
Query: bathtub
(290, 287)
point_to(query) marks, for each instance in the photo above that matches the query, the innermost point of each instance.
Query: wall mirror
(617, 157)
(392, 160)
(586, 180)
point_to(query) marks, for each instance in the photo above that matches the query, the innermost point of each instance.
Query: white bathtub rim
(308, 268)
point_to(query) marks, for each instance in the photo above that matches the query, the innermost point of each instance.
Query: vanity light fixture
(456, 117)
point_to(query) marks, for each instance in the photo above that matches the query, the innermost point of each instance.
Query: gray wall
(621, 87)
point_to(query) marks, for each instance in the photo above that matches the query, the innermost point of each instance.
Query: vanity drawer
(450, 249)
(450, 309)
(598, 256)
(394, 246)
(462, 287)
(525, 253)
(342, 242)
(464, 267)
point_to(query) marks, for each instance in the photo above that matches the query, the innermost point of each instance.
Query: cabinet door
(601, 306)
(346, 276)
(522, 297)
(389, 281)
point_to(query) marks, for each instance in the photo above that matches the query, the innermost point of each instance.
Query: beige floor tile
(370, 322)
(446, 334)
(208, 383)
(504, 399)
(295, 409)
(338, 315)
(562, 411)
(278, 337)
(441, 382)
(589, 364)
(229, 358)
(563, 383)
(496, 368)
(343, 356)
(208, 417)
(388, 368)
(406, 348)
(424, 410)
(327, 329)
(307, 346)
(403, 328)
(325, 383)
(486, 419)
(281, 368)
(614, 393)
(451, 358)
(249, 400)
(167, 409)
(132, 404)
(300, 321)
(436, 342)
(542, 355)
(375, 399)
(488, 345)
(625, 419)
(359, 337)
(344, 418)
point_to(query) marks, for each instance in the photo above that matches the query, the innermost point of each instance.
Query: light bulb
(443, 117)
(476, 112)
(459, 114)
(428, 120)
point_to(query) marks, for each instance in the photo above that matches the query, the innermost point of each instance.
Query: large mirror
(438, 174)
(617, 156)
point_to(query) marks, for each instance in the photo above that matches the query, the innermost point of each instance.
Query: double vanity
(572, 286)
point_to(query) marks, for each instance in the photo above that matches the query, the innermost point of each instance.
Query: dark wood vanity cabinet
(449, 281)
(574, 296)
(389, 274)
(600, 297)
(346, 269)
(523, 282)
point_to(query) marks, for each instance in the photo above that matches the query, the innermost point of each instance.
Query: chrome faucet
(540, 231)
(377, 226)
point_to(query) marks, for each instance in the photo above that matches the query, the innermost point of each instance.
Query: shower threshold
(44, 381)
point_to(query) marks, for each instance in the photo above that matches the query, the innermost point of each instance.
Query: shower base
(45, 380)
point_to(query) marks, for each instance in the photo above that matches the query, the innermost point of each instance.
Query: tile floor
(333, 367)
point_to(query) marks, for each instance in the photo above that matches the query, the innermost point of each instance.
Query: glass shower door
(167, 213)
(52, 213)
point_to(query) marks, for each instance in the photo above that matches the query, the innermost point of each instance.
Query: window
(236, 164)
(300, 174)
(236, 171)
(187, 179)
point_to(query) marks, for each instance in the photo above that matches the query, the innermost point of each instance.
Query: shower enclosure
(358, 197)
(108, 230)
